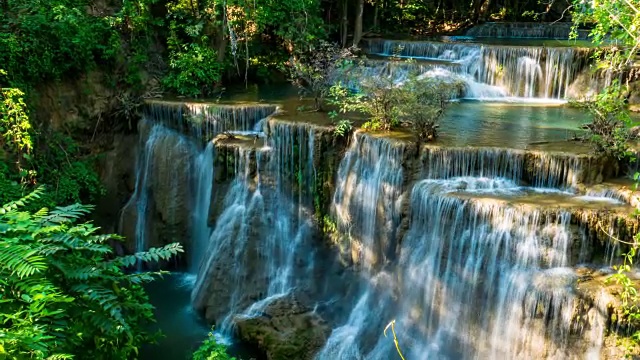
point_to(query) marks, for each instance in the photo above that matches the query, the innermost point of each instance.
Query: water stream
(473, 250)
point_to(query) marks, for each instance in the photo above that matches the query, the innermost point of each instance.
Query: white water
(490, 72)
(204, 185)
(160, 148)
(258, 242)
(475, 278)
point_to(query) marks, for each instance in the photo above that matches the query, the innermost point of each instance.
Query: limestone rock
(286, 329)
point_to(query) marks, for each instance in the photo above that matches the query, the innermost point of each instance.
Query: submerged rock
(284, 329)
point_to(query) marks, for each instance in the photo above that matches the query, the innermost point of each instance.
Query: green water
(183, 329)
(514, 125)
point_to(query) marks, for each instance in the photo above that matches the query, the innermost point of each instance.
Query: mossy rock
(285, 329)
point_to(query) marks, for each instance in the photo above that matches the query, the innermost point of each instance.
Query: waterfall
(503, 71)
(174, 176)
(366, 200)
(542, 170)
(475, 279)
(472, 250)
(558, 30)
(204, 185)
(256, 249)
(160, 150)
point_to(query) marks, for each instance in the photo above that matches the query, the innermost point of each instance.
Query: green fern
(62, 293)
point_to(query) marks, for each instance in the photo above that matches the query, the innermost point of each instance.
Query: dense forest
(65, 292)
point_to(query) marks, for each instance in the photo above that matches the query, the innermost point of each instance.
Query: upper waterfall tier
(205, 120)
(560, 30)
(494, 71)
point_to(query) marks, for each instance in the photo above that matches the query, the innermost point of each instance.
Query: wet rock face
(118, 175)
(163, 191)
(286, 329)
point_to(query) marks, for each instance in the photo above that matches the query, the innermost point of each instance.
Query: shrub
(423, 103)
(419, 103)
(211, 350)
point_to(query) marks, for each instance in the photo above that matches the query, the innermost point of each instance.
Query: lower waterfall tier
(307, 245)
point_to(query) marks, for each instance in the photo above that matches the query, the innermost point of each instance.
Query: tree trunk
(480, 9)
(357, 32)
(376, 10)
(222, 41)
(345, 22)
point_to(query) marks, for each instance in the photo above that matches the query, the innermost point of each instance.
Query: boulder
(284, 329)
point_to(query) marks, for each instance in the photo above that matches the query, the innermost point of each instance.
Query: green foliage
(629, 299)
(615, 23)
(315, 71)
(15, 127)
(194, 67)
(47, 39)
(343, 128)
(423, 103)
(418, 102)
(62, 291)
(211, 350)
(609, 128)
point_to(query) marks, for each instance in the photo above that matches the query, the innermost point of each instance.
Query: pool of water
(183, 329)
(504, 124)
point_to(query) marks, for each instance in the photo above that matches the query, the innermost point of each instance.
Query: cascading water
(260, 238)
(371, 170)
(474, 277)
(204, 185)
(174, 176)
(557, 30)
(159, 151)
(490, 71)
(464, 247)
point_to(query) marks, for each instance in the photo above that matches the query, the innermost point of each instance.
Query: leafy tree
(616, 23)
(63, 293)
(609, 128)
(194, 69)
(378, 99)
(47, 39)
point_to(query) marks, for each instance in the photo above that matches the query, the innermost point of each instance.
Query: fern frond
(141, 278)
(152, 255)
(67, 214)
(14, 205)
(80, 273)
(21, 260)
(71, 241)
(106, 299)
(60, 357)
